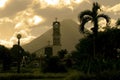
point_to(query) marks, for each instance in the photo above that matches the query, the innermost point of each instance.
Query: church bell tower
(56, 37)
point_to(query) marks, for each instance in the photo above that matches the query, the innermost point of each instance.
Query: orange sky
(31, 18)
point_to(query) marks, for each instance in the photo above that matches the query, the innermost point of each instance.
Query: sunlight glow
(37, 20)
(51, 2)
(78, 1)
(59, 3)
(67, 2)
(3, 3)
(6, 43)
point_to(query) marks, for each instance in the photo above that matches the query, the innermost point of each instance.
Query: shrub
(54, 65)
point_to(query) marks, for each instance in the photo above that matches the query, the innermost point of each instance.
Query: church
(52, 50)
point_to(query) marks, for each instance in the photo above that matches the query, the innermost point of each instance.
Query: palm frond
(84, 21)
(95, 8)
(106, 17)
(85, 13)
(95, 4)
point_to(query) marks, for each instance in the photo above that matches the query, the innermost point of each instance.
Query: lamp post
(19, 57)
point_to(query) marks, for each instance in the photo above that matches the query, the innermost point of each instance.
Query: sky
(31, 18)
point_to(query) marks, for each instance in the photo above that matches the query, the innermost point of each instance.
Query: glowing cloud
(57, 3)
(5, 19)
(26, 38)
(51, 2)
(23, 21)
(3, 3)
(36, 20)
(78, 1)
(115, 8)
(6, 43)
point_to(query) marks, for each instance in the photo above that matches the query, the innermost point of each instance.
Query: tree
(107, 54)
(5, 58)
(62, 53)
(17, 57)
(14, 52)
(53, 64)
(108, 42)
(92, 15)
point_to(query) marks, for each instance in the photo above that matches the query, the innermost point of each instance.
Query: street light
(18, 37)
(19, 57)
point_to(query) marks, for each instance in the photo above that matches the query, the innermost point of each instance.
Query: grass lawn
(34, 73)
(29, 73)
(32, 76)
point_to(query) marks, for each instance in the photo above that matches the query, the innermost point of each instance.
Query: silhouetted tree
(53, 64)
(48, 51)
(65, 58)
(62, 53)
(107, 54)
(14, 53)
(5, 57)
(92, 15)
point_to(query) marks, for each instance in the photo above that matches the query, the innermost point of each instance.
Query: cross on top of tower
(56, 19)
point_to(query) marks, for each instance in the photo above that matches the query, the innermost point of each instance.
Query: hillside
(70, 36)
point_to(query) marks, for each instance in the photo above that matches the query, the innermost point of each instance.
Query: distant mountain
(70, 36)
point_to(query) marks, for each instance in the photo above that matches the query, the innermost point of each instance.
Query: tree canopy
(108, 43)
(93, 16)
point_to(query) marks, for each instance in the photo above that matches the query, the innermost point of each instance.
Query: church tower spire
(56, 33)
(56, 37)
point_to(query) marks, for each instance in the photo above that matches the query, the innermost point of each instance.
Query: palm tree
(92, 15)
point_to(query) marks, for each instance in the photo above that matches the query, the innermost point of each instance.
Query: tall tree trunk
(94, 46)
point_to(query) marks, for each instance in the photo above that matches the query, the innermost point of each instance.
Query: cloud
(113, 22)
(114, 9)
(27, 18)
(36, 20)
(23, 21)
(5, 20)
(13, 6)
(102, 23)
(23, 17)
(6, 43)
(31, 18)
(3, 3)
(26, 38)
(57, 3)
